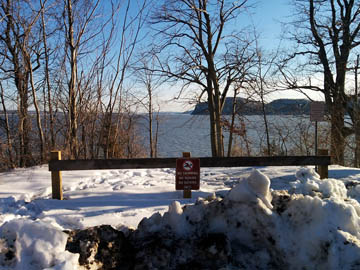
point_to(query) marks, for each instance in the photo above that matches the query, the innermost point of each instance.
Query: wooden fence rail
(151, 163)
(56, 165)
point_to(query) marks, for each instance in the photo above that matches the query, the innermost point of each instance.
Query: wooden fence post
(56, 178)
(323, 169)
(187, 192)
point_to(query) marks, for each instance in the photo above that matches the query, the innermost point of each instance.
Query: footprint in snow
(118, 187)
(129, 214)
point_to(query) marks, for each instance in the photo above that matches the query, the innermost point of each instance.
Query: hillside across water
(249, 107)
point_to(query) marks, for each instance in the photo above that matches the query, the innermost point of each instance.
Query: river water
(178, 132)
(190, 133)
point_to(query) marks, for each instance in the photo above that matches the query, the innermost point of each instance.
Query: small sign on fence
(187, 174)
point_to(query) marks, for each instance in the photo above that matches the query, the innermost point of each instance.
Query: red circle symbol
(188, 165)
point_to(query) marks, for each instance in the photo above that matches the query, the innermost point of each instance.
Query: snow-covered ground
(322, 214)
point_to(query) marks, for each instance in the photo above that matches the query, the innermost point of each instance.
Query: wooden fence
(56, 165)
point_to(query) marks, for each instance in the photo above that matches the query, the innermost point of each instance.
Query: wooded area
(75, 74)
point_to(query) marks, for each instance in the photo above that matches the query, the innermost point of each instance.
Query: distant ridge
(246, 107)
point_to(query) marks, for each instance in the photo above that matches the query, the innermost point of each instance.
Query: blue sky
(267, 17)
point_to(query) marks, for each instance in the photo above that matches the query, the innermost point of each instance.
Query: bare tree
(76, 22)
(195, 34)
(19, 49)
(261, 92)
(353, 109)
(115, 107)
(9, 161)
(326, 33)
(82, 75)
(145, 75)
(232, 123)
(98, 49)
(263, 84)
(38, 113)
(47, 88)
(240, 57)
(356, 115)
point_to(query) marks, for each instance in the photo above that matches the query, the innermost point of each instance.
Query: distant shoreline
(250, 107)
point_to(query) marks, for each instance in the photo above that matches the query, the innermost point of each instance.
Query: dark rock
(7, 251)
(210, 251)
(157, 245)
(103, 245)
(351, 184)
(280, 201)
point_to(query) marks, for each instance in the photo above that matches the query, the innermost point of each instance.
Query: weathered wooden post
(187, 192)
(56, 178)
(323, 169)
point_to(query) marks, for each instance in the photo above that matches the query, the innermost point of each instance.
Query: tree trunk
(357, 144)
(24, 123)
(150, 113)
(266, 126)
(47, 79)
(219, 133)
(337, 138)
(84, 141)
(156, 134)
(7, 129)
(216, 107)
(38, 116)
(213, 136)
(232, 124)
(356, 117)
(72, 84)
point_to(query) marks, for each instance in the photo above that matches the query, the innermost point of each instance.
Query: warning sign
(187, 174)
(317, 111)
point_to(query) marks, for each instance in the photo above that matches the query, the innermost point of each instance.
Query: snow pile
(255, 187)
(26, 244)
(294, 231)
(309, 183)
(307, 224)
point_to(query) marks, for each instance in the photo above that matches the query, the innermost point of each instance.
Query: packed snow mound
(256, 186)
(252, 227)
(33, 245)
(309, 183)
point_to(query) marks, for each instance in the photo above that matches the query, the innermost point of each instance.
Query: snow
(37, 244)
(284, 210)
(257, 185)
